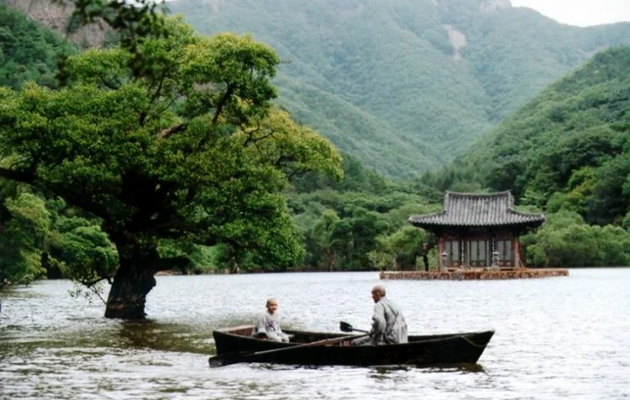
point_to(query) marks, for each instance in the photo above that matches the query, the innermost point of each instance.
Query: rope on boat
(471, 342)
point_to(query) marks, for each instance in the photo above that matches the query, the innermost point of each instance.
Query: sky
(580, 12)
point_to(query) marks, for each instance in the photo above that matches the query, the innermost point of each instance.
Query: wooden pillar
(461, 243)
(440, 251)
(517, 251)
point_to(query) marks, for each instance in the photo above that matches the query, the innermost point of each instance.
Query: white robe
(388, 323)
(268, 325)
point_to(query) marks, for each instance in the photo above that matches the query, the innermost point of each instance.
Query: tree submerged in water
(170, 140)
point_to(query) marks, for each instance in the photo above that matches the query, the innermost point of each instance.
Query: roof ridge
(470, 194)
(528, 214)
(478, 209)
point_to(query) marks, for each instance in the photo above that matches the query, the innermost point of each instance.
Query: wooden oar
(346, 327)
(243, 356)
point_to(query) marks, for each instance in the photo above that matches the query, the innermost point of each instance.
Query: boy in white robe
(267, 325)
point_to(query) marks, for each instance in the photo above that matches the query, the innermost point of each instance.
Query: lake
(565, 337)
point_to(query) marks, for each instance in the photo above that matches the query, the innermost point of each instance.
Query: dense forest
(567, 151)
(168, 150)
(406, 85)
(28, 51)
(167, 140)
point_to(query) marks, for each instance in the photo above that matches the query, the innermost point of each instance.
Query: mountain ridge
(396, 61)
(405, 85)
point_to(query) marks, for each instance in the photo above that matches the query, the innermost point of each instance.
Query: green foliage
(346, 230)
(22, 238)
(403, 247)
(202, 258)
(28, 52)
(359, 222)
(177, 137)
(405, 98)
(327, 239)
(186, 150)
(566, 149)
(609, 201)
(85, 252)
(356, 178)
(565, 152)
(566, 241)
(40, 239)
(297, 150)
(131, 24)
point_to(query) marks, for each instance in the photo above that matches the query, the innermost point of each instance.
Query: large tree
(172, 139)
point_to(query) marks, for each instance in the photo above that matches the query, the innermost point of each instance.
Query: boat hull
(422, 351)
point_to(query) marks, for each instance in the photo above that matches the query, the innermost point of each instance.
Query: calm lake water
(566, 337)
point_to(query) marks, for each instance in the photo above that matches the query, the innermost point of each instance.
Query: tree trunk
(133, 281)
(234, 266)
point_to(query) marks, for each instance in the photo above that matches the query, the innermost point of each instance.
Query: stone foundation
(475, 274)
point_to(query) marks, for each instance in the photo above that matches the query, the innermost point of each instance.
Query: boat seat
(244, 330)
(263, 336)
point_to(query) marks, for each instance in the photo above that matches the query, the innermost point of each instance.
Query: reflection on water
(555, 338)
(151, 334)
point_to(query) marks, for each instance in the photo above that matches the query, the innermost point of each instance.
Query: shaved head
(379, 289)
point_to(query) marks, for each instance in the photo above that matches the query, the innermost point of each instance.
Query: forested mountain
(568, 148)
(28, 52)
(55, 15)
(405, 85)
(566, 152)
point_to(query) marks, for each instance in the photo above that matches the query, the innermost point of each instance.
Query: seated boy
(267, 325)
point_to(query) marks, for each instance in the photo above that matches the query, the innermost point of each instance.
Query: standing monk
(388, 324)
(267, 325)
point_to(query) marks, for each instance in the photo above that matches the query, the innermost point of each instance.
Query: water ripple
(555, 338)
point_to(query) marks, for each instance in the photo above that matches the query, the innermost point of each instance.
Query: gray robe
(388, 323)
(268, 325)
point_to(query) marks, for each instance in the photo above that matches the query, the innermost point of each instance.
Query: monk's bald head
(378, 292)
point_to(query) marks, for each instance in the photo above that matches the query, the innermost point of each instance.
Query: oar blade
(345, 327)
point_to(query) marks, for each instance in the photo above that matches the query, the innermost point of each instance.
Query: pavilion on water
(478, 230)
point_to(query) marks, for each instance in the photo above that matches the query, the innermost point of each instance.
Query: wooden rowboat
(336, 349)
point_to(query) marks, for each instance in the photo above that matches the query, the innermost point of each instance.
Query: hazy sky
(580, 12)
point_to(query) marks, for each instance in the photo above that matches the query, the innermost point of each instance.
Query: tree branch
(165, 133)
(222, 103)
(252, 139)
(18, 176)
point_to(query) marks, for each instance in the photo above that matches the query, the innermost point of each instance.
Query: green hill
(28, 52)
(568, 148)
(406, 85)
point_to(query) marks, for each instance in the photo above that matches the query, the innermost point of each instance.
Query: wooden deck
(475, 274)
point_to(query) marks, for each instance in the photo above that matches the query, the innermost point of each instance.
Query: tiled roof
(477, 209)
